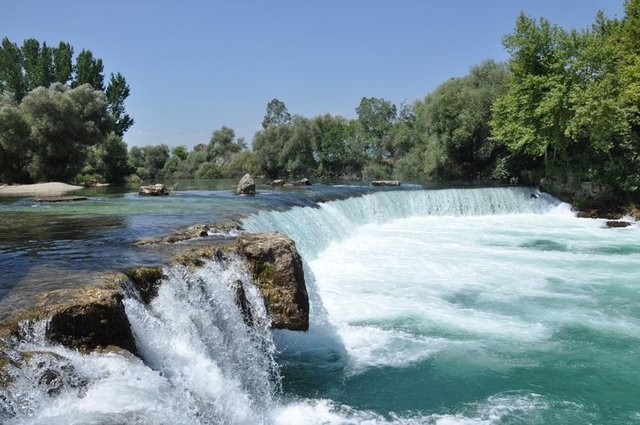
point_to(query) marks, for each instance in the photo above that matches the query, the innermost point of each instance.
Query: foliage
(572, 100)
(454, 122)
(117, 91)
(277, 114)
(52, 131)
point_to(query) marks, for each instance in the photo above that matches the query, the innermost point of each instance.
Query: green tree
(15, 143)
(223, 145)
(532, 115)
(376, 117)
(268, 144)
(329, 135)
(64, 123)
(89, 70)
(117, 92)
(11, 77)
(63, 63)
(180, 152)
(149, 161)
(454, 122)
(277, 114)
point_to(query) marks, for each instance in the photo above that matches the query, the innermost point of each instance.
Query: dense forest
(563, 111)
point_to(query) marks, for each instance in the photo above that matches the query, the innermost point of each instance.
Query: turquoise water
(466, 314)
(457, 306)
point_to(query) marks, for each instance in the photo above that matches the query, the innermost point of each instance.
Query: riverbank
(38, 189)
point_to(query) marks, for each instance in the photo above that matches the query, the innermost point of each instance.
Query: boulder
(276, 267)
(385, 183)
(617, 223)
(246, 186)
(146, 280)
(278, 182)
(88, 318)
(153, 190)
(84, 318)
(302, 182)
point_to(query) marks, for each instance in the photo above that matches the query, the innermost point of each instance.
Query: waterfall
(313, 228)
(201, 363)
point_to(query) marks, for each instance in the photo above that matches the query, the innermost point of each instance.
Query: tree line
(564, 109)
(58, 121)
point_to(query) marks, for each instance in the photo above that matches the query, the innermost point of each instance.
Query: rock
(302, 182)
(60, 198)
(242, 302)
(278, 182)
(617, 223)
(246, 186)
(276, 267)
(89, 318)
(146, 280)
(385, 183)
(153, 190)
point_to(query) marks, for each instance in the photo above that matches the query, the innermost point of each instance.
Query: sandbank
(38, 189)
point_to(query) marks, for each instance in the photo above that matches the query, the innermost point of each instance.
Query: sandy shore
(38, 189)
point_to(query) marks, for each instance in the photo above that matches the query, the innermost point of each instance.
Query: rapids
(453, 306)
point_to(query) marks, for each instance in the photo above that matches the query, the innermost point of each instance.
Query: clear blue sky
(194, 66)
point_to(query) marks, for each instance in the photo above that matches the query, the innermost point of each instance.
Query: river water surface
(452, 306)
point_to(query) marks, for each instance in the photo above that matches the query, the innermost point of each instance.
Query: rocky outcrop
(385, 183)
(302, 182)
(154, 190)
(276, 267)
(281, 182)
(91, 318)
(218, 230)
(146, 280)
(617, 223)
(246, 186)
(50, 199)
(85, 318)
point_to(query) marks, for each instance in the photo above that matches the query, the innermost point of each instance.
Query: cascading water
(202, 363)
(314, 228)
(456, 306)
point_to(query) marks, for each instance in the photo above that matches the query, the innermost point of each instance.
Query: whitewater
(453, 306)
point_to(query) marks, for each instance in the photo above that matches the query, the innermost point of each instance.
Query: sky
(194, 66)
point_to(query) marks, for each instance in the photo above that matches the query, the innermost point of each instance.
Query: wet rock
(51, 199)
(278, 182)
(385, 183)
(89, 318)
(617, 223)
(153, 190)
(146, 280)
(302, 182)
(276, 267)
(241, 301)
(246, 186)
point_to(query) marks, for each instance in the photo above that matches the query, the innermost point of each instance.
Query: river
(449, 306)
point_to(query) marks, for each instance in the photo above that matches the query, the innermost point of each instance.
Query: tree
(63, 63)
(276, 114)
(454, 122)
(376, 117)
(117, 91)
(268, 144)
(149, 161)
(89, 70)
(532, 115)
(64, 123)
(11, 78)
(223, 145)
(329, 135)
(15, 143)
